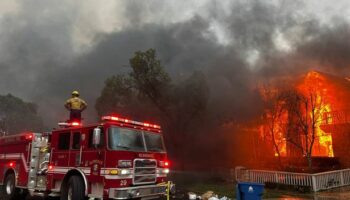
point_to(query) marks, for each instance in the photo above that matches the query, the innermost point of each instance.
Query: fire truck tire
(9, 191)
(75, 189)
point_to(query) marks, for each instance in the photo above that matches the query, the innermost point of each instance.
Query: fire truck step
(54, 194)
(35, 193)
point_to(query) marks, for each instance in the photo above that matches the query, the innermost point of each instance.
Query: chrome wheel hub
(70, 193)
(9, 187)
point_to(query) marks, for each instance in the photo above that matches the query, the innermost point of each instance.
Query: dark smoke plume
(235, 44)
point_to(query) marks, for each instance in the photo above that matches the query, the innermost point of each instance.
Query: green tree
(148, 92)
(150, 79)
(18, 116)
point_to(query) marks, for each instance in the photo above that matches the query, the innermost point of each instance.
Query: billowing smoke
(49, 48)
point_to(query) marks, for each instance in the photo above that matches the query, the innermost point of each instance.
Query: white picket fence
(317, 181)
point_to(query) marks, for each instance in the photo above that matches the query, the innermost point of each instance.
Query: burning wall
(315, 85)
(311, 129)
(337, 121)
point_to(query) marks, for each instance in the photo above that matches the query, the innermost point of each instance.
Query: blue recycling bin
(249, 191)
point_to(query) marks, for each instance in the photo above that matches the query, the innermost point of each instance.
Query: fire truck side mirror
(96, 140)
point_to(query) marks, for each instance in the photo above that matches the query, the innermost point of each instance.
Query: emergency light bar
(113, 118)
(69, 124)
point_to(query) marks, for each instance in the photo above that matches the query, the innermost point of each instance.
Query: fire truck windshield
(134, 140)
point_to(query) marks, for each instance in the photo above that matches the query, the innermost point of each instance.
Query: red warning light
(75, 124)
(166, 163)
(12, 164)
(29, 136)
(115, 118)
(146, 124)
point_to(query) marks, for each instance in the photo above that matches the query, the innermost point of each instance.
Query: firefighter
(75, 105)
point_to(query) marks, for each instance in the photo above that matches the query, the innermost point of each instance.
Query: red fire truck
(117, 158)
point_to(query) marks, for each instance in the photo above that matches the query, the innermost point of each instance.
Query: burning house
(307, 117)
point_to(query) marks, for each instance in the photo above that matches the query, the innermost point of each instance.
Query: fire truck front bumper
(147, 191)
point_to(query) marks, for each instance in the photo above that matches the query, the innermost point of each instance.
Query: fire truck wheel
(75, 189)
(9, 189)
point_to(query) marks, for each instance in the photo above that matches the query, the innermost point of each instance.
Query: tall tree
(147, 91)
(274, 117)
(150, 79)
(291, 120)
(304, 114)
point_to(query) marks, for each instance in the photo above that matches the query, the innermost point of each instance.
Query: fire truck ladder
(39, 159)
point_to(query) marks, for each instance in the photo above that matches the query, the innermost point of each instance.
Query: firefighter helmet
(75, 93)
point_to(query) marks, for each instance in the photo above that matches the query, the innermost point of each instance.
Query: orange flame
(316, 82)
(323, 140)
(324, 146)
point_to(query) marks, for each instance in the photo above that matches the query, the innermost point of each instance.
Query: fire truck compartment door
(93, 156)
(75, 150)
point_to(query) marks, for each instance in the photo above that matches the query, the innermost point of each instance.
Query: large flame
(323, 140)
(316, 82)
(324, 145)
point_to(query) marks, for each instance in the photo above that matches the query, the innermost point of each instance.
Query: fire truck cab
(115, 159)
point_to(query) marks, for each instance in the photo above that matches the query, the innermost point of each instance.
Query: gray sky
(48, 48)
(84, 19)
